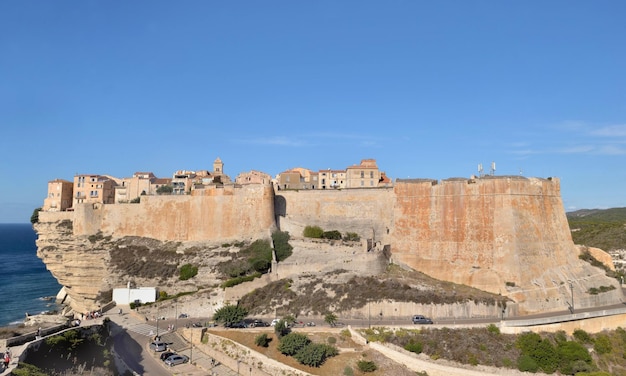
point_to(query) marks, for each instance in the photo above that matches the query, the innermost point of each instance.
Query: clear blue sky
(429, 89)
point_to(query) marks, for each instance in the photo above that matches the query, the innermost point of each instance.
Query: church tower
(218, 167)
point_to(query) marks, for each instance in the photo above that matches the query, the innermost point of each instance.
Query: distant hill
(601, 228)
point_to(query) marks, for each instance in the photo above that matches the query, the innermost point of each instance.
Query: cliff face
(506, 235)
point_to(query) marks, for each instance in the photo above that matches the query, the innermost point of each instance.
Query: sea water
(26, 286)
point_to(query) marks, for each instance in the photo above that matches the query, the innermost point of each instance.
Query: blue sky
(429, 89)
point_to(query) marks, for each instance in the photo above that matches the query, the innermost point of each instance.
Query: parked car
(183, 316)
(419, 319)
(166, 355)
(176, 359)
(239, 324)
(259, 323)
(274, 322)
(158, 346)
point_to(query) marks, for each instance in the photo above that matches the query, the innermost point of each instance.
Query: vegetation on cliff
(73, 352)
(604, 229)
(255, 259)
(531, 352)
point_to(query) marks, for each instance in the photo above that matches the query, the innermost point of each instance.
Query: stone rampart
(366, 212)
(219, 214)
(506, 235)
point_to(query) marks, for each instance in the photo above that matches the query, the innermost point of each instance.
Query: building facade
(59, 196)
(93, 189)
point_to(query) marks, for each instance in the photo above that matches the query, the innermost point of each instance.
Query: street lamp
(571, 286)
(157, 320)
(238, 362)
(175, 314)
(191, 349)
(369, 315)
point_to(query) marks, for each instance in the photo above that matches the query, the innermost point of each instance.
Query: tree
(34, 218)
(165, 190)
(292, 343)
(314, 354)
(330, 319)
(281, 245)
(281, 329)
(230, 314)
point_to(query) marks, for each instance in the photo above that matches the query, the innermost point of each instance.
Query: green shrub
(525, 363)
(582, 336)
(332, 235)
(315, 354)
(542, 352)
(570, 355)
(34, 218)
(235, 281)
(348, 371)
(292, 343)
(230, 314)
(352, 237)
(313, 232)
(413, 346)
(281, 329)
(282, 248)
(262, 340)
(510, 284)
(366, 366)
(136, 200)
(187, 271)
(602, 344)
(331, 340)
(492, 328)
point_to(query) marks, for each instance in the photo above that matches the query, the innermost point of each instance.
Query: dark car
(419, 319)
(166, 355)
(259, 323)
(239, 324)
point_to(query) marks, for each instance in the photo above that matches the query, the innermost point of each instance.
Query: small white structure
(128, 295)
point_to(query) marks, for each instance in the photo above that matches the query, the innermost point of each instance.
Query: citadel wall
(506, 235)
(367, 212)
(220, 214)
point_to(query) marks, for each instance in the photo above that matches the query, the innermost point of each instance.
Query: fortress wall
(367, 212)
(48, 217)
(211, 214)
(490, 231)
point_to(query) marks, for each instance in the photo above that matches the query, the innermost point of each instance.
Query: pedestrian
(39, 332)
(7, 359)
(120, 312)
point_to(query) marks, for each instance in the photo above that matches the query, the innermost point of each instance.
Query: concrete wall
(229, 352)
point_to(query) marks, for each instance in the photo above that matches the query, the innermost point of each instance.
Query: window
(362, 183)
(362, 174)
(371, 183)
(372, 174)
